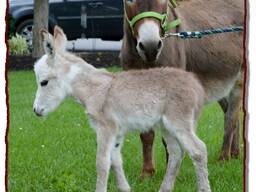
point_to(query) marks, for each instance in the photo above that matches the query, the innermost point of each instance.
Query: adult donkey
(217, 60)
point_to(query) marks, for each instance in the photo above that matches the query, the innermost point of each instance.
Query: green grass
(57, 153)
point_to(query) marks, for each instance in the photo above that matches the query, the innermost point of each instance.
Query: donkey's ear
(60, 39)
(47, 41)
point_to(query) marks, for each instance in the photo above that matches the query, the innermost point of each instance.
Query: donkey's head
(146, 19)
(51, 72)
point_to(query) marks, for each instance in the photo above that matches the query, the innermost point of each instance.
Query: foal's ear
(47, 41)
(60, 39)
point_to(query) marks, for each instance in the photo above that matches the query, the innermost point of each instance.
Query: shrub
(11, 27)
(18, 45)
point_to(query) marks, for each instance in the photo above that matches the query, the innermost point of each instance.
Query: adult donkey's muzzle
(149, 42)
(150, 49)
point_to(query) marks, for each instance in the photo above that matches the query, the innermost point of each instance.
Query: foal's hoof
(125, 190)
(147, 173)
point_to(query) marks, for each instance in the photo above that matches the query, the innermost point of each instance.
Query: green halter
(161, 17)
(173, 3)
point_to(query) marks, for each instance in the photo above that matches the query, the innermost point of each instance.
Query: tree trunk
(41, 14)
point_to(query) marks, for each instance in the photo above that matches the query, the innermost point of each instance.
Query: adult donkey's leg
(231, 107)
(147, 140)
(236, 101)
(235, 147)
(225, 152)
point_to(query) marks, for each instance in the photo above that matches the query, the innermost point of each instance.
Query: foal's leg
(174, 161)
(105, 142)
(147, 140)
(117, 165)
(198, 153)
(232, 123)
(184, 133)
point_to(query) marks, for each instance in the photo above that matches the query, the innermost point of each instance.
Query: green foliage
(11, 26)
(57, 153)
(18, 45)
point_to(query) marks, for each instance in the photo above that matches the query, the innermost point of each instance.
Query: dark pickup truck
(78, 18)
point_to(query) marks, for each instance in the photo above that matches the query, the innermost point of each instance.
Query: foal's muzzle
(38, 112)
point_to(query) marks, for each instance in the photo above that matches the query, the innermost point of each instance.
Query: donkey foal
(117, 103)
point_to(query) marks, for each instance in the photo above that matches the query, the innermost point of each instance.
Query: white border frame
(3, 116)
(251, 95)
(251, 79)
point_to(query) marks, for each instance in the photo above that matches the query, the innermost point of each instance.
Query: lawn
(57, 153)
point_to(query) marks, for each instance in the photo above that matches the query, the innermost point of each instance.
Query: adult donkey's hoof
(224, 157)
(235, 153)
(149, 172)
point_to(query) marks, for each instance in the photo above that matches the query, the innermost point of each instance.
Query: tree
(41, 15)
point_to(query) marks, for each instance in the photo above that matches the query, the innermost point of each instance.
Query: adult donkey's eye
(44, 83)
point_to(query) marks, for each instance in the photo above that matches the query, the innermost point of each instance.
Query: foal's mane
(72, 57)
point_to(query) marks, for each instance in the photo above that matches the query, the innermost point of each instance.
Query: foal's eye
(44, 83)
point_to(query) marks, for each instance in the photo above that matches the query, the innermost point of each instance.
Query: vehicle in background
(78, 18)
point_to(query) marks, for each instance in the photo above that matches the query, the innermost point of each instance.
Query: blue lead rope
(200, 34)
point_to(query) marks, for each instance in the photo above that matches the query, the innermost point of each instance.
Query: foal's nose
(38, 113)
(150, 49)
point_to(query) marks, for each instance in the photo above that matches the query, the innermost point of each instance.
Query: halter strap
(146, 14)
(161, 17)
(167, 26)
(173, 3)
